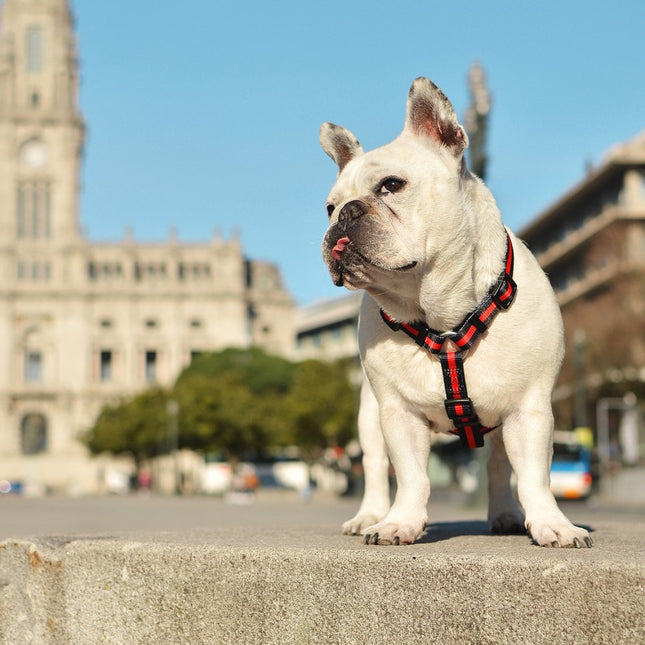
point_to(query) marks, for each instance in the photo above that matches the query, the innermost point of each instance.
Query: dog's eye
(330, 209)
(391, 185)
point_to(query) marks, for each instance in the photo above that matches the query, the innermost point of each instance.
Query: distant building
(327, 330)
(83, 323)
(591, 243)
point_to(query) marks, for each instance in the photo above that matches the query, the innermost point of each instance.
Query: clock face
(34, 154)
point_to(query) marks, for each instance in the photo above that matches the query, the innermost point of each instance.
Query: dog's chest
(412, 377)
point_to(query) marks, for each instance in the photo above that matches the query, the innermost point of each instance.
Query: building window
(105, 365)
(33, 434)
(33, 366)
(104, 271)
(34, 210)
(35, 271)
(151, 323)
(194, 271)
(150, 271)
(35, 49)
(151, 365)
(196, 323)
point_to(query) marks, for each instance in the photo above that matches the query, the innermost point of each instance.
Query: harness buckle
(460, 417)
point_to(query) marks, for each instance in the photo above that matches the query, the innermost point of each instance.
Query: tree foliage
(137, 426)
(235, 402)
(321, 405)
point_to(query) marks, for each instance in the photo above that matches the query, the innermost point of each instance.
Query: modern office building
(327, 330)
(591, 243)
(83, 323)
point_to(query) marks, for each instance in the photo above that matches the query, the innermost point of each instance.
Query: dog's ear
(430, 114)
(339, 143)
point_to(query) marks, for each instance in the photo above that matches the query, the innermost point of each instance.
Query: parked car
(571, 467)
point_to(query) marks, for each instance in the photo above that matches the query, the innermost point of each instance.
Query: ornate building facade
(82, 323)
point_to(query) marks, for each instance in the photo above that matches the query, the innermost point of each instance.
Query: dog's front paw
(359, 522)
(393, 533)
(559, 534)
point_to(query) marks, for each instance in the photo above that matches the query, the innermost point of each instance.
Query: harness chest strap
(459, 407)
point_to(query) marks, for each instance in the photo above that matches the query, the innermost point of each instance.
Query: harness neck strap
(459, 407)
(499, 298)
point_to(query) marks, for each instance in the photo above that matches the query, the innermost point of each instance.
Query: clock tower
(86, 323)
(41, 135)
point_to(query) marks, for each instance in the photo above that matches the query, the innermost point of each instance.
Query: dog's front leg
(528, 438)
(407, 438)
(376, 498)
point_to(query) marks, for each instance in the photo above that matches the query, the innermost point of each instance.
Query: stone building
(82, 323)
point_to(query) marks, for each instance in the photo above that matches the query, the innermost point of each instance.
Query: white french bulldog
(410, 225)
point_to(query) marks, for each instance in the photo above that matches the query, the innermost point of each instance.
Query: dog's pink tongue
(340, 247)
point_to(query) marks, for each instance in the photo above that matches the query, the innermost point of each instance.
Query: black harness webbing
(459, 407)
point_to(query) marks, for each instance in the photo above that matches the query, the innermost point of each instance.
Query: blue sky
(204, 115)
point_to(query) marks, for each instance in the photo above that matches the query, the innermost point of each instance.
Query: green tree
(261, 372)
(233, 401)
(322, 405)
(137, 426)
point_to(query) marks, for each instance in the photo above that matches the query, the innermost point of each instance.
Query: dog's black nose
(351, 211)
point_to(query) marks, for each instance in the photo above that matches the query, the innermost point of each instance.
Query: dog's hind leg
(504, 513)
(376, 498)
(528, 438)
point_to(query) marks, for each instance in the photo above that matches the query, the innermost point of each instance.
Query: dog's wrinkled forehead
(359, 175)
(405, 158)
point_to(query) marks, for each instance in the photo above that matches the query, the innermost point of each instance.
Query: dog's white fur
(429, 250)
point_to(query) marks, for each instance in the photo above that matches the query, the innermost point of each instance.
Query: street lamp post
(627, 405)
(172, 408)
(580, 393)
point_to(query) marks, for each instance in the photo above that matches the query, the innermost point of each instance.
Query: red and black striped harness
(459, 407)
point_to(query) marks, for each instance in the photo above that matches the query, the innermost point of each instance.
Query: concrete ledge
(457, 585)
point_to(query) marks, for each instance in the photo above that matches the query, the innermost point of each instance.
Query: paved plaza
(270, 509)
